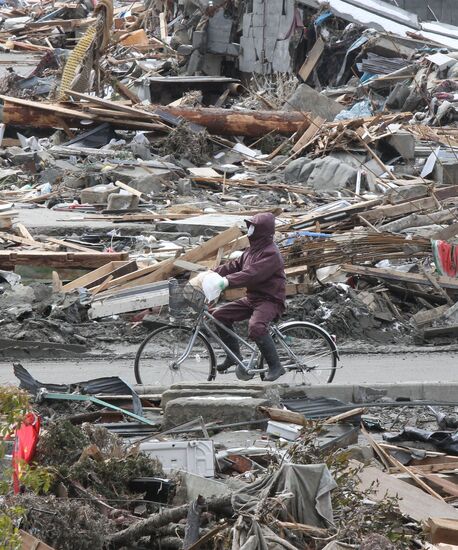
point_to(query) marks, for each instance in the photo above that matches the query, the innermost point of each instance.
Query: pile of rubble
(133, 134)
(139, 470)
(135, 141)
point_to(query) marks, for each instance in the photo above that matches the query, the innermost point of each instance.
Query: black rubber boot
(267, 347)
(233, 344)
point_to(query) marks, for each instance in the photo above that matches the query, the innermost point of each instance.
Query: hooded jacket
(260, 268)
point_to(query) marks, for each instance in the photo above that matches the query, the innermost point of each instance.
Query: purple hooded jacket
(260, 268)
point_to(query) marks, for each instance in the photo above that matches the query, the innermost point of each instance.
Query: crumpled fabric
(445, 257)
(310, 486)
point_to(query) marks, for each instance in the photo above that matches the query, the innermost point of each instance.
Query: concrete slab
(307, 99)
(197, 225)
(225, 409)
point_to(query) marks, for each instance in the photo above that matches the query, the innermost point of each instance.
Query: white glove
(213, 284)
(196, 281)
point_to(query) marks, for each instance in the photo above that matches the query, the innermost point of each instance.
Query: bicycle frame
(247, 365)
(203, 324)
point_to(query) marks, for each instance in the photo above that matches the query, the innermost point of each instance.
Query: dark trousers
(260, 314)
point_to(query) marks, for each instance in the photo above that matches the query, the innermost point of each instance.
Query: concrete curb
(433, 391)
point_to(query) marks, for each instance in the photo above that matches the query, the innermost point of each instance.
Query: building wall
(446, 11)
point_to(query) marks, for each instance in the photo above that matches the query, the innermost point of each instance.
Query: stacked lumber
(353, 247)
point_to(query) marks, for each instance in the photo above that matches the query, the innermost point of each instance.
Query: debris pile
(131, 129)
(305, 472)
(135, 140)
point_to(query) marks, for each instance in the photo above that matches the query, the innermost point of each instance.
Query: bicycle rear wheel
(155, 362)
(307, 352)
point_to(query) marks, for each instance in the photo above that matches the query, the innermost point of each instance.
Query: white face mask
(250, 230)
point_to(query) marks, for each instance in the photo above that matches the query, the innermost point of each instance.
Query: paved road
(370, 368)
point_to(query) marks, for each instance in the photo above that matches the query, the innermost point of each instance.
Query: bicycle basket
(185, 300)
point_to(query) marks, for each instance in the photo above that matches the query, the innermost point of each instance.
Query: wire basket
(185, 301)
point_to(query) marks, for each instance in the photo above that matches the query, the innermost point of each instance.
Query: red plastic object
(25, 445)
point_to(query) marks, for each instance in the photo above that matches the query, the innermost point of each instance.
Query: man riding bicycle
(261, 270)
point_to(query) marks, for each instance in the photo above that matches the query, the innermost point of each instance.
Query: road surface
(356, 369)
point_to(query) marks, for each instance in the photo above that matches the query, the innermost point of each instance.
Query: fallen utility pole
(22, 112)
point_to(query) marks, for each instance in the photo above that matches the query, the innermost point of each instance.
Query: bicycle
(306, 350)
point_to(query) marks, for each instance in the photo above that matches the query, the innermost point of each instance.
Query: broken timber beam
(9, 259)
(21, 112)
(241, 123)
(393, 275)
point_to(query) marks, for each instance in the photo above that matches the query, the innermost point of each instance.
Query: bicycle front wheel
(307, 352)
(157, 357)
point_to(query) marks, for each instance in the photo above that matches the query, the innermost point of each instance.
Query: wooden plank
(440, 331)
(422, 318)
(189, 266)
(130, 190)
(312, 59)
(24, 241)
(398, 210)
(447, 486)
(24, 232)
(296, 270)
(291, 290)
(412, 501)
(29, 542)
(83, 281)
(73, 246)
(53, 108)
(443, 530)
(319, 216)
(393, 275)
(57, 259)
(390, 459)
(345, 416)
(201, 252)
(141, 298)
(56, 282)
(103, 286)
(116, 106)
(436, 285)
(315, 127)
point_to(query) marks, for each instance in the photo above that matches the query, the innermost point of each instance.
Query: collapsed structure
(136, 139)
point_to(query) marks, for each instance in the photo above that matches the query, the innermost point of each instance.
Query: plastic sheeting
(307, 499)
(110, 385)
(443, 441)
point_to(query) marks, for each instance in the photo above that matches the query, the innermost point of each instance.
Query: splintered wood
(357, 247)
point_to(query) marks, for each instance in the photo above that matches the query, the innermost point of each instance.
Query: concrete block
(224, 409)
(130, 175)
(267, 390)
(404, 143)
(122, 201)
(446, 173)
(17, 156)
(195, 62)
(199, 40)
(98, 194)
(307, 99)
(409, 192)
(323, 174)
(172, 394)
(150, 185)
(184, 187)
(192, 485)
(75, 182)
